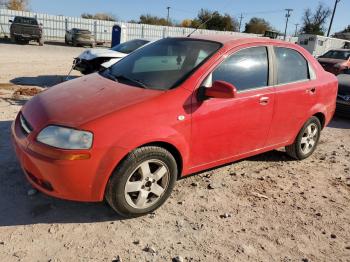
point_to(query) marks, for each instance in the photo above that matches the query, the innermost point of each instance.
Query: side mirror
(10, 21)
(221, 89)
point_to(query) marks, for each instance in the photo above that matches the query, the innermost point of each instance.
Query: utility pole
(335, 8)
(287, 18)
(168, 16)
(296, 29)
(240, 22)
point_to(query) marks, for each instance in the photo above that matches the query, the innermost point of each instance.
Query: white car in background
(93, 60)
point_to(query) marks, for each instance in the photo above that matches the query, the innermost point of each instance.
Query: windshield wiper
(138, 82)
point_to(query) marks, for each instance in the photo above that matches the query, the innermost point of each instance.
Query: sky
(271, 10)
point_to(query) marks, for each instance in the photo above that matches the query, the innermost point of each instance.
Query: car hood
(330, 60)
(100, 52)
(82, 100)
(344, 84)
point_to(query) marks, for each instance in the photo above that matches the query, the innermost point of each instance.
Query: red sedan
(170, 109)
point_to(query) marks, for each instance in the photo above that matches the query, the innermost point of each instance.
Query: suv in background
(81, 37)
(25, 29)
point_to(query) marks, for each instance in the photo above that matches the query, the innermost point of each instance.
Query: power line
(334, 9)
(288, 10)
(168, 16)
(296, 29)
(240, 22)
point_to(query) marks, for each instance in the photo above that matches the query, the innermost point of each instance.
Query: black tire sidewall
(115, 188)
(299, 153)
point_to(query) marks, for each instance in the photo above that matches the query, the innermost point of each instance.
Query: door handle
(264, 100)
(311, 90)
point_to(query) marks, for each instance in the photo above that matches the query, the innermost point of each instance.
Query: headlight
(65, 138)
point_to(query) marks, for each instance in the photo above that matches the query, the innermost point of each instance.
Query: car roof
(229, 39)
(340, 49)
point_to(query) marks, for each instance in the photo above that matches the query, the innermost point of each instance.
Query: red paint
(121, 117)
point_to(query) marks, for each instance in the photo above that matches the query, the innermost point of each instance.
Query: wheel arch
(322, 118)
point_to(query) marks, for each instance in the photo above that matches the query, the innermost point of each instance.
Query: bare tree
(314, 23)
(19, 5)
(99, 16)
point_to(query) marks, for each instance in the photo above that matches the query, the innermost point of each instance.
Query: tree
(257, 25)
(19, 5)
(343, 34)
(99, 16)
(186, 23)
(215, 21)
(314, 23)
(154, 20)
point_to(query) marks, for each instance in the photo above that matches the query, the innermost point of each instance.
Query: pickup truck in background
(25, 29)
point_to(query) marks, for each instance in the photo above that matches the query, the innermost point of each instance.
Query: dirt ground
(265, 208)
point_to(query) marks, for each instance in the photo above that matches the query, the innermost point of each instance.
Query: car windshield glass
(85, 32)
(337, 54)
(163, 64)
(26, 20)
(129, 46)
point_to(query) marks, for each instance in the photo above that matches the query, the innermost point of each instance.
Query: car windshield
(337, 54)
(25, 20)
(163, 64)
(129, 46)
(82, 31)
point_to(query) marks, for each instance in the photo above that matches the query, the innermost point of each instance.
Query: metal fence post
(142, 32)
(66, 24)
(95, 30)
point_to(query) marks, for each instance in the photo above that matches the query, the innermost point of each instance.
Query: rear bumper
(78, 180)
(343, 108)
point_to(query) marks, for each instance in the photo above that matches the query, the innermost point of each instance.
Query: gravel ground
(265, 208)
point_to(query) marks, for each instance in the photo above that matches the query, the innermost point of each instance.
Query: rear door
(223, 128)
(296, 93)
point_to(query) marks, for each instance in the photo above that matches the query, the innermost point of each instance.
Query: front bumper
(26, 37)
(82, 65)
(78, 180)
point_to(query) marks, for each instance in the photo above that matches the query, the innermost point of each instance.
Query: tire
(306, 141)
(41, 42)
(74, 43)
(138, 173)
(66, 41)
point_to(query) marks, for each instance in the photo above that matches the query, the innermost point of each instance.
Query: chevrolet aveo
(170, 109)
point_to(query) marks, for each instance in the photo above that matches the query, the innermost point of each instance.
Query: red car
(336, 61)
(170, 109)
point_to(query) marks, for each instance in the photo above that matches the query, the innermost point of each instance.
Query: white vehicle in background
(93, 60)
(318, 45)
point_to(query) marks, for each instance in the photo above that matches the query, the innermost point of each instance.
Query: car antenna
(206, 21)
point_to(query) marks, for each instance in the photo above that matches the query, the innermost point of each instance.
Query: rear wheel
(306, 141)
(142, 182)
(41, 42)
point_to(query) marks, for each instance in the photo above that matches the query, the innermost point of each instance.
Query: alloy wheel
(146, 184)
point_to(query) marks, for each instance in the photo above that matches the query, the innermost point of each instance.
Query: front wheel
(306, 141)
(142, 182)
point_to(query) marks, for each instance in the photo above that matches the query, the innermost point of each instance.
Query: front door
(223, 128)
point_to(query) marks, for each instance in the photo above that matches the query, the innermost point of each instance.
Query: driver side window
(245, 69)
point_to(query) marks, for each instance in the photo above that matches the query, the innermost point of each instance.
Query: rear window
(129, 46)
(25, 20)
(291, 66)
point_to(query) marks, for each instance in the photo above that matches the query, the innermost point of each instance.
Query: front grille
(26, 127)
